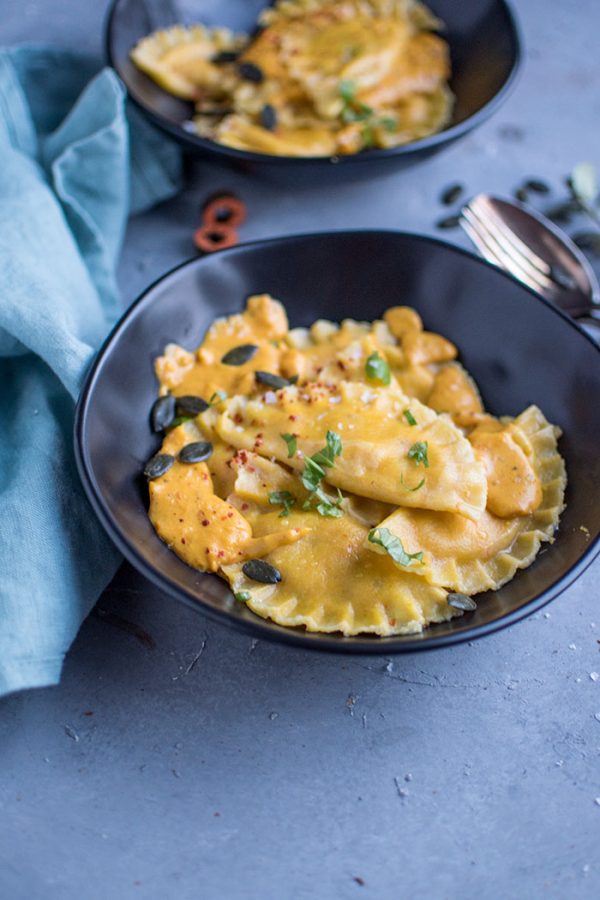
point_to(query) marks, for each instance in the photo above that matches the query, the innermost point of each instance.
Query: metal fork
(535, 252)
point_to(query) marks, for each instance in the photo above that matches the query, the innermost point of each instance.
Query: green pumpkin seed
(237, 356)
(259, 570)
(461, 601)
(162, 413)
(195, 452)
(537, 186)
(451, 194)
(448, 222)
(188, 405)
(158, 465)
(250, 72)
(272, 381)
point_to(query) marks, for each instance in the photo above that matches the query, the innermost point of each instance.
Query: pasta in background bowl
(484, 56)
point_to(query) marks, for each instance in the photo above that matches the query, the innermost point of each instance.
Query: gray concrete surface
(179, 759)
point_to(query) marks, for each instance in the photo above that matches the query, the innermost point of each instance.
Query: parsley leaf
(314, 473)
(377, 369)
(284, 498)
(243, 596)
(217, 397)
(291, 442)
(418, 452)
(412, 489)
(409, 417)
(393, 545)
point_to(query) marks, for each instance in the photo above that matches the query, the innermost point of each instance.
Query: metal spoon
(534, 251)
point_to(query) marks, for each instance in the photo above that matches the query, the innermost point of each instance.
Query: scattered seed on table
(189, 405)
(162, 412)
(195, 452)
(237, 356)
(250, 72)
(259, 570)
(448, 222)
(537, 186)
(588, 241)
(158, 465)
(522, 195)
(451, 194)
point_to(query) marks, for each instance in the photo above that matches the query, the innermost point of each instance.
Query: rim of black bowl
(266, 629)
(422, 145)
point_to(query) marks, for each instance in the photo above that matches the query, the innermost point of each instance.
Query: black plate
(520, 349)
(485, 46)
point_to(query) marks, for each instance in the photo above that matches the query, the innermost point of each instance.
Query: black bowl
(486, 53)
(520, 349)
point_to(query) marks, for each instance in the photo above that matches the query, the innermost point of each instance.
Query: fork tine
(493, 253)
(485, 211)
(514, 262)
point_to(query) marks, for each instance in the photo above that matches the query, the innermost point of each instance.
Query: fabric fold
(71, 164)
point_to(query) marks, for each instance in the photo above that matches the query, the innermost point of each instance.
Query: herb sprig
(283, 498)
(418, 453)
(315, 471)
(393, 546)
(353, 110)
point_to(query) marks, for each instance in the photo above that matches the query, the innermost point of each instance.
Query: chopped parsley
(418, 452)
(353, 110)
(409, 417)
(314, 473)
(217, 397)
(282, 498)
(243, 596)
(292, 444)
(393, 545)
(179, 420)
(412, 489)
(377, 369)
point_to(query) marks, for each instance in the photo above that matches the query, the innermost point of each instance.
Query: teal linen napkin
(74, 162)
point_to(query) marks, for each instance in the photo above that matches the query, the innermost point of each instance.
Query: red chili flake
(292, 418)
(230, 515)
(205, 522)
(238, 418)
(183, 540)
(392, 622)
(259, 436)
(341, 365)
(221, 553)
(251, 469)
(244, 506)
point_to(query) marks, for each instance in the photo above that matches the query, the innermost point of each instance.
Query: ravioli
(377, 438)
(316, 78)
(330, 582)
(352, 481)
(469, 557)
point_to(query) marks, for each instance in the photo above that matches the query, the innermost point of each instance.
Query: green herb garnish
(314, 473)
(412, 489)
(353, 110)
(292, 444)
(243, 596)
(217, 397)
(377, 369)
(393, 545)
(409, 417)
(418, 452)
(283, 498)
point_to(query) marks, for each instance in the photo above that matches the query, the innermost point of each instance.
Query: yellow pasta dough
(346, 477)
